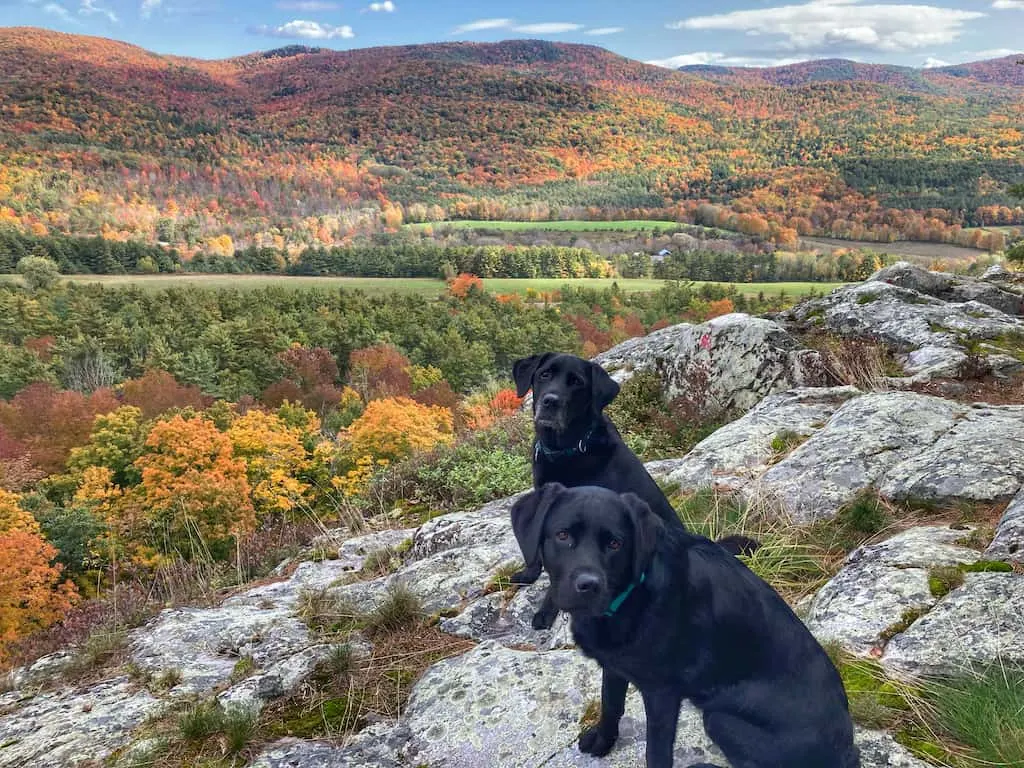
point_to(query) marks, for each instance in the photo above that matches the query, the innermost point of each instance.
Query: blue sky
(731, 32)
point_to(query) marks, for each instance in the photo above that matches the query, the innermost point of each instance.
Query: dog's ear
(647, 529)
(523, 370)
(603, 388)
(528, 516)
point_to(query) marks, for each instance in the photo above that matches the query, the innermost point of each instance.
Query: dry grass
(864, 363)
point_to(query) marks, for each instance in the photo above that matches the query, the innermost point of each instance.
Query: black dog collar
(554, 455)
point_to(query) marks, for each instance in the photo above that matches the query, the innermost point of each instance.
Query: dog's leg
(661, 706)
(528, 574)
(599, 739)
(545, 617)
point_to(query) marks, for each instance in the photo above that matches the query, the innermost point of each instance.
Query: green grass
(633, 225)
(421, 286)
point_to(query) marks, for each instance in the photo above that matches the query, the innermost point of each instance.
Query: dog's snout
(550, 400)
(587, 583)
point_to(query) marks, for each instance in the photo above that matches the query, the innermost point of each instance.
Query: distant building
(661, 255)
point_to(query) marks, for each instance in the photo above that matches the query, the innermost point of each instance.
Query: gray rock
(863, 440)
(352, 552)
(498, 707)
(741, 451)
(980, 458)
(899, 306)
(204, 644)
(970, 629)
(73, 727)
(949, 287)
(879, 582)
(374, 747)
(1008, 543)
(283, 678)
(507, 620)
(726, 364)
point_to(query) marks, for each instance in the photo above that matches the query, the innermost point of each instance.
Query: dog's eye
(614, 545)
(544, 375)
(562, 535)
(574, 381)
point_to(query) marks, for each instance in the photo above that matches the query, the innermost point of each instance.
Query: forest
(307, 147)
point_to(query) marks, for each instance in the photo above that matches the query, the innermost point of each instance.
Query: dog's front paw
(525, 576)
(595, 741)
(543, 619)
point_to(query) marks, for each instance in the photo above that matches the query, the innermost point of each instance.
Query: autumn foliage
(394, 428)
(157, 391)
(32, 595)
(462, 285)
(380, 371)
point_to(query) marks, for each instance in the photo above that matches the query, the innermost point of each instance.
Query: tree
(394, 428)
(39, 273)
(380, 371)
(275, 458)
(1017, 191)
(157, 392)
(194, 497)
(32, 595)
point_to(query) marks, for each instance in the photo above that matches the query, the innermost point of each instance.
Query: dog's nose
(549, 400)
(587, 583)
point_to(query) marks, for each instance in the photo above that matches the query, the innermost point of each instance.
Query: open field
(420, 286)
(901, 248)
(558, 226)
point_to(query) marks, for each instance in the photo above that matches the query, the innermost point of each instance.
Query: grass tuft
(400, 609)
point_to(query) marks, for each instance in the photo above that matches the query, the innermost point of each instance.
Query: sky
(919, 33)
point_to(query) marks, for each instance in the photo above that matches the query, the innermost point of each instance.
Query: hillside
(292, 145)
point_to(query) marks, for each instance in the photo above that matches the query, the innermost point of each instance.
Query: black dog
(577, 444)
(674, 614)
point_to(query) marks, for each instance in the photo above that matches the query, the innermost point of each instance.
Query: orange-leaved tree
(194, 496)
(380, 371)
(32, 595)
(397, 427)
(463, 284)
(157, 391)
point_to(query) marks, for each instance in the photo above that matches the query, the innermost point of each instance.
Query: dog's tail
(739, 545)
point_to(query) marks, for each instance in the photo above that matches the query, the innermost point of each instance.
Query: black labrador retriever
(677, 616)
(577, 444)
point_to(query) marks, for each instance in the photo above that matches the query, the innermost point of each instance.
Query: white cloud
(89, 8)
(719, 59)
(58, 10)
(548, 28)
(481, 24)
(605, 31)
(544, 28)
(1008, 5)
(148, 6)
(821, 25)
(931, 62)
(387, 7)
(305, 30)
(307, 5)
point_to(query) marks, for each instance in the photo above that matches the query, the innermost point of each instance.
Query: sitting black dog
(677, 616)
(577, 444)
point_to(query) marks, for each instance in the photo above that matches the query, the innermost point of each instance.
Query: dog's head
(593, 542)
(568, 392)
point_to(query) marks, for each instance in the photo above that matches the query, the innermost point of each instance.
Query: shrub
(39, 273)
(397, 427)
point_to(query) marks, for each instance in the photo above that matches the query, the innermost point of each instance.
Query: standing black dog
(577, 444)
(674, 614)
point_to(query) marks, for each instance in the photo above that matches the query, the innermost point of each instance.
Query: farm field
(900, 248)
(418, 286)
(633, 225)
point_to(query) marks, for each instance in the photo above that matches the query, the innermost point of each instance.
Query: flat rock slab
(741, 451)
(73, 727)
(973, 627)
(877, 583)
(737, 359)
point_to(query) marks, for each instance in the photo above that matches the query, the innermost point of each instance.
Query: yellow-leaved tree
(396, 427)
(275, 459)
